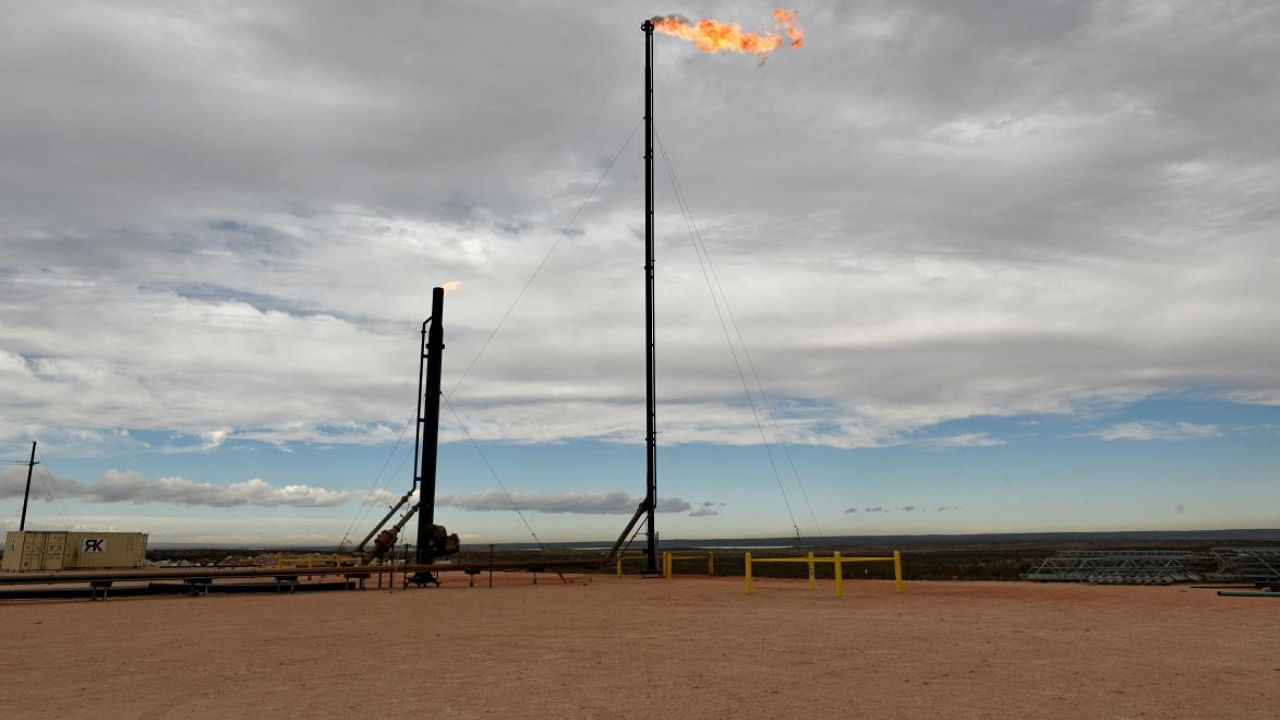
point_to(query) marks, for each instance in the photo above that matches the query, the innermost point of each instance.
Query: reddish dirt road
(631, 648)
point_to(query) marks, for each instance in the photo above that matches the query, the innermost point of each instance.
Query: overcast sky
(1011, 265)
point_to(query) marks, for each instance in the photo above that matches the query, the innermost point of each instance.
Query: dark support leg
(99, 586)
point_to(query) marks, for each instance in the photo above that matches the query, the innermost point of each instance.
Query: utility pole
(31, 465)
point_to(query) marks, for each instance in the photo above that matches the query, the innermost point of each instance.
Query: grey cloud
(44, 484)
(908, 508)
(321, 67)
(851, 510)
(614, 502)
(205, 214)
(706, 508)
(212, 293)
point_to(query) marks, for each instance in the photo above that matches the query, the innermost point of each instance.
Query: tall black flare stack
(651, 437)
(433, 352)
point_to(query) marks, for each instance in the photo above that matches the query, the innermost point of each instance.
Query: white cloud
(1170, 432)
(1256, 397)
(977, 439)
(117, 486)
(614, 502)
(55, 440)
(205, 442)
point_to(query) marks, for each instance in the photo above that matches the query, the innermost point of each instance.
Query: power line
(367, 502)
(496, 479)
(751, 365)
(542, 263)
(57, 503)
(564, 233)
(493, 472)
(710, 275)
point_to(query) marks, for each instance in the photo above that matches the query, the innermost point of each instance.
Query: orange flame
(712, 37)
(787, 19)
(451, 286)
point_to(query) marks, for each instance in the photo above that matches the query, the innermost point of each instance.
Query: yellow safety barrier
(311, 561)
(621, 558)
(836, 560)
(668, 561)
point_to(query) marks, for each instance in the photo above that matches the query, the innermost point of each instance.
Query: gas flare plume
(451, 286)
(712, 36)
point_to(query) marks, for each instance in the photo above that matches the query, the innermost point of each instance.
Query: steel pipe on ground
(82, 576)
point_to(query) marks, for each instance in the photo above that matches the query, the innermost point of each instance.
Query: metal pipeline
(84, 576)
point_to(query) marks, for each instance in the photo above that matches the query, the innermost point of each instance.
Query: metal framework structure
(1124, 567)
(434, 541)
(1257, 565)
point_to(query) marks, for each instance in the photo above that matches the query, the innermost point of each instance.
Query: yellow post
(813, 577)
(747, 559)
(711, 563)
(666, 565)
(619, 566)
(897, 570)
(839, 574)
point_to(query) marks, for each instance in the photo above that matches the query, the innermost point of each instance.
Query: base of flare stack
(423, 578)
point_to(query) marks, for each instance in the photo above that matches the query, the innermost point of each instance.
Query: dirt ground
(632, 648)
